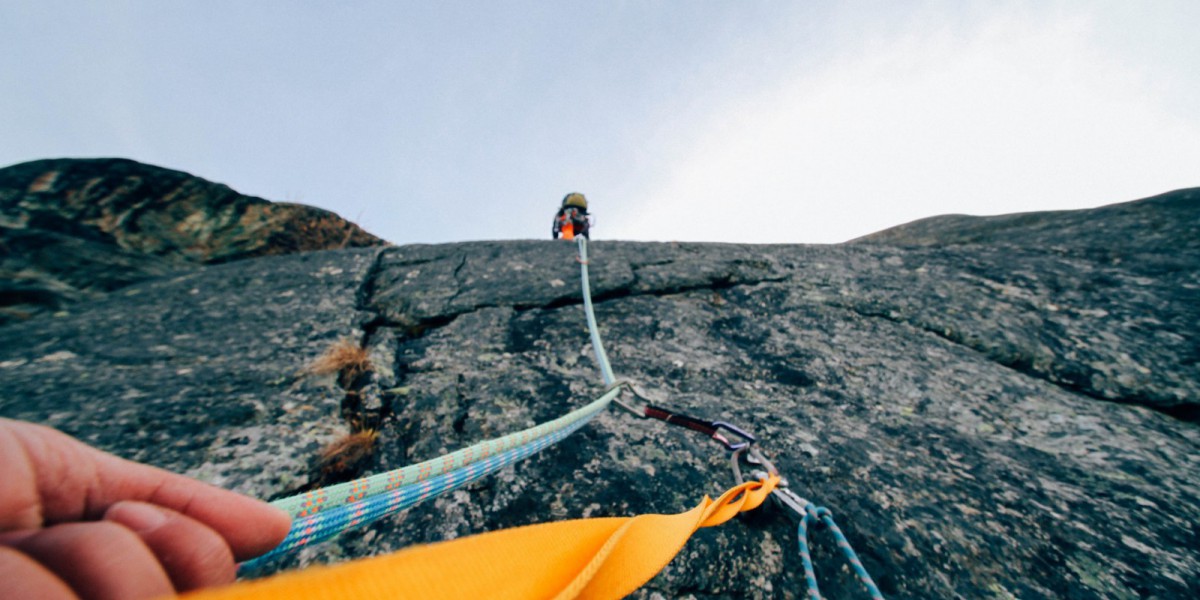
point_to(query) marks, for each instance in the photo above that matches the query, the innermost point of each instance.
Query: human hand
(76, 522)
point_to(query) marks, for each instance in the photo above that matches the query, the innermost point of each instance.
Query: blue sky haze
(807, 122)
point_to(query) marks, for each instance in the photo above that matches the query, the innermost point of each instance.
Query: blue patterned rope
(327, 524)
(822, 515)
(309, 503)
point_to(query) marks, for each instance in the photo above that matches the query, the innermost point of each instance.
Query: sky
(751, 122)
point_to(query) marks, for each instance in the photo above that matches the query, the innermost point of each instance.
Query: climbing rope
(324, 513)
(806, 513)
(358, 510)
(593, 329)
(315, 501)
(818, 515)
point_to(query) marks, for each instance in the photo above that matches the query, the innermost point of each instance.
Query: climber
(572, 218)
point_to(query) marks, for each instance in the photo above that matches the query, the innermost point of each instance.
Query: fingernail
(137, 516)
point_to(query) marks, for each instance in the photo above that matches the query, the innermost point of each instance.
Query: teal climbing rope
(324, 513)
(319, 524)
(309, 503)
(593, 329)
(820, 515)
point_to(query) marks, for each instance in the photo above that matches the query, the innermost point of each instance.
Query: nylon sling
(583, 558)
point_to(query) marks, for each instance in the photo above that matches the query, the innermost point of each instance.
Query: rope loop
(822, 517)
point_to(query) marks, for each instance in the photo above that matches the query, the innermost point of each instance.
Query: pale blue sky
(720, 121)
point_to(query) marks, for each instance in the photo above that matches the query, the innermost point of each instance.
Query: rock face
(73, 229)
(1062, 291)
(1154, 236)
(985, 419)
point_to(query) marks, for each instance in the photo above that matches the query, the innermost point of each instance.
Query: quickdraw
(806, 513)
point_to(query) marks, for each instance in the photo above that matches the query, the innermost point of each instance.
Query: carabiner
(626, 384)
(732, 447)
(783, 495)
(710, 428)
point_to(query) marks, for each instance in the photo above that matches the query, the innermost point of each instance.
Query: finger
(250, 527)
(12, 538)
(54, 478)
(193, 555)
(20, 503)
(99, 561)
(23, 577)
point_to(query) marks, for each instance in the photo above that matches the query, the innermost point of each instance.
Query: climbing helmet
(575, 199)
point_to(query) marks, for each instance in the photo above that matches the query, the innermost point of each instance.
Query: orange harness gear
(584, 558)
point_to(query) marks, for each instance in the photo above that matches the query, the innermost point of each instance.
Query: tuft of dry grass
(345, 454)
(344, 357)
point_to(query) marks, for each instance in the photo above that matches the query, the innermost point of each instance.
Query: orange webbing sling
(585, 558)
